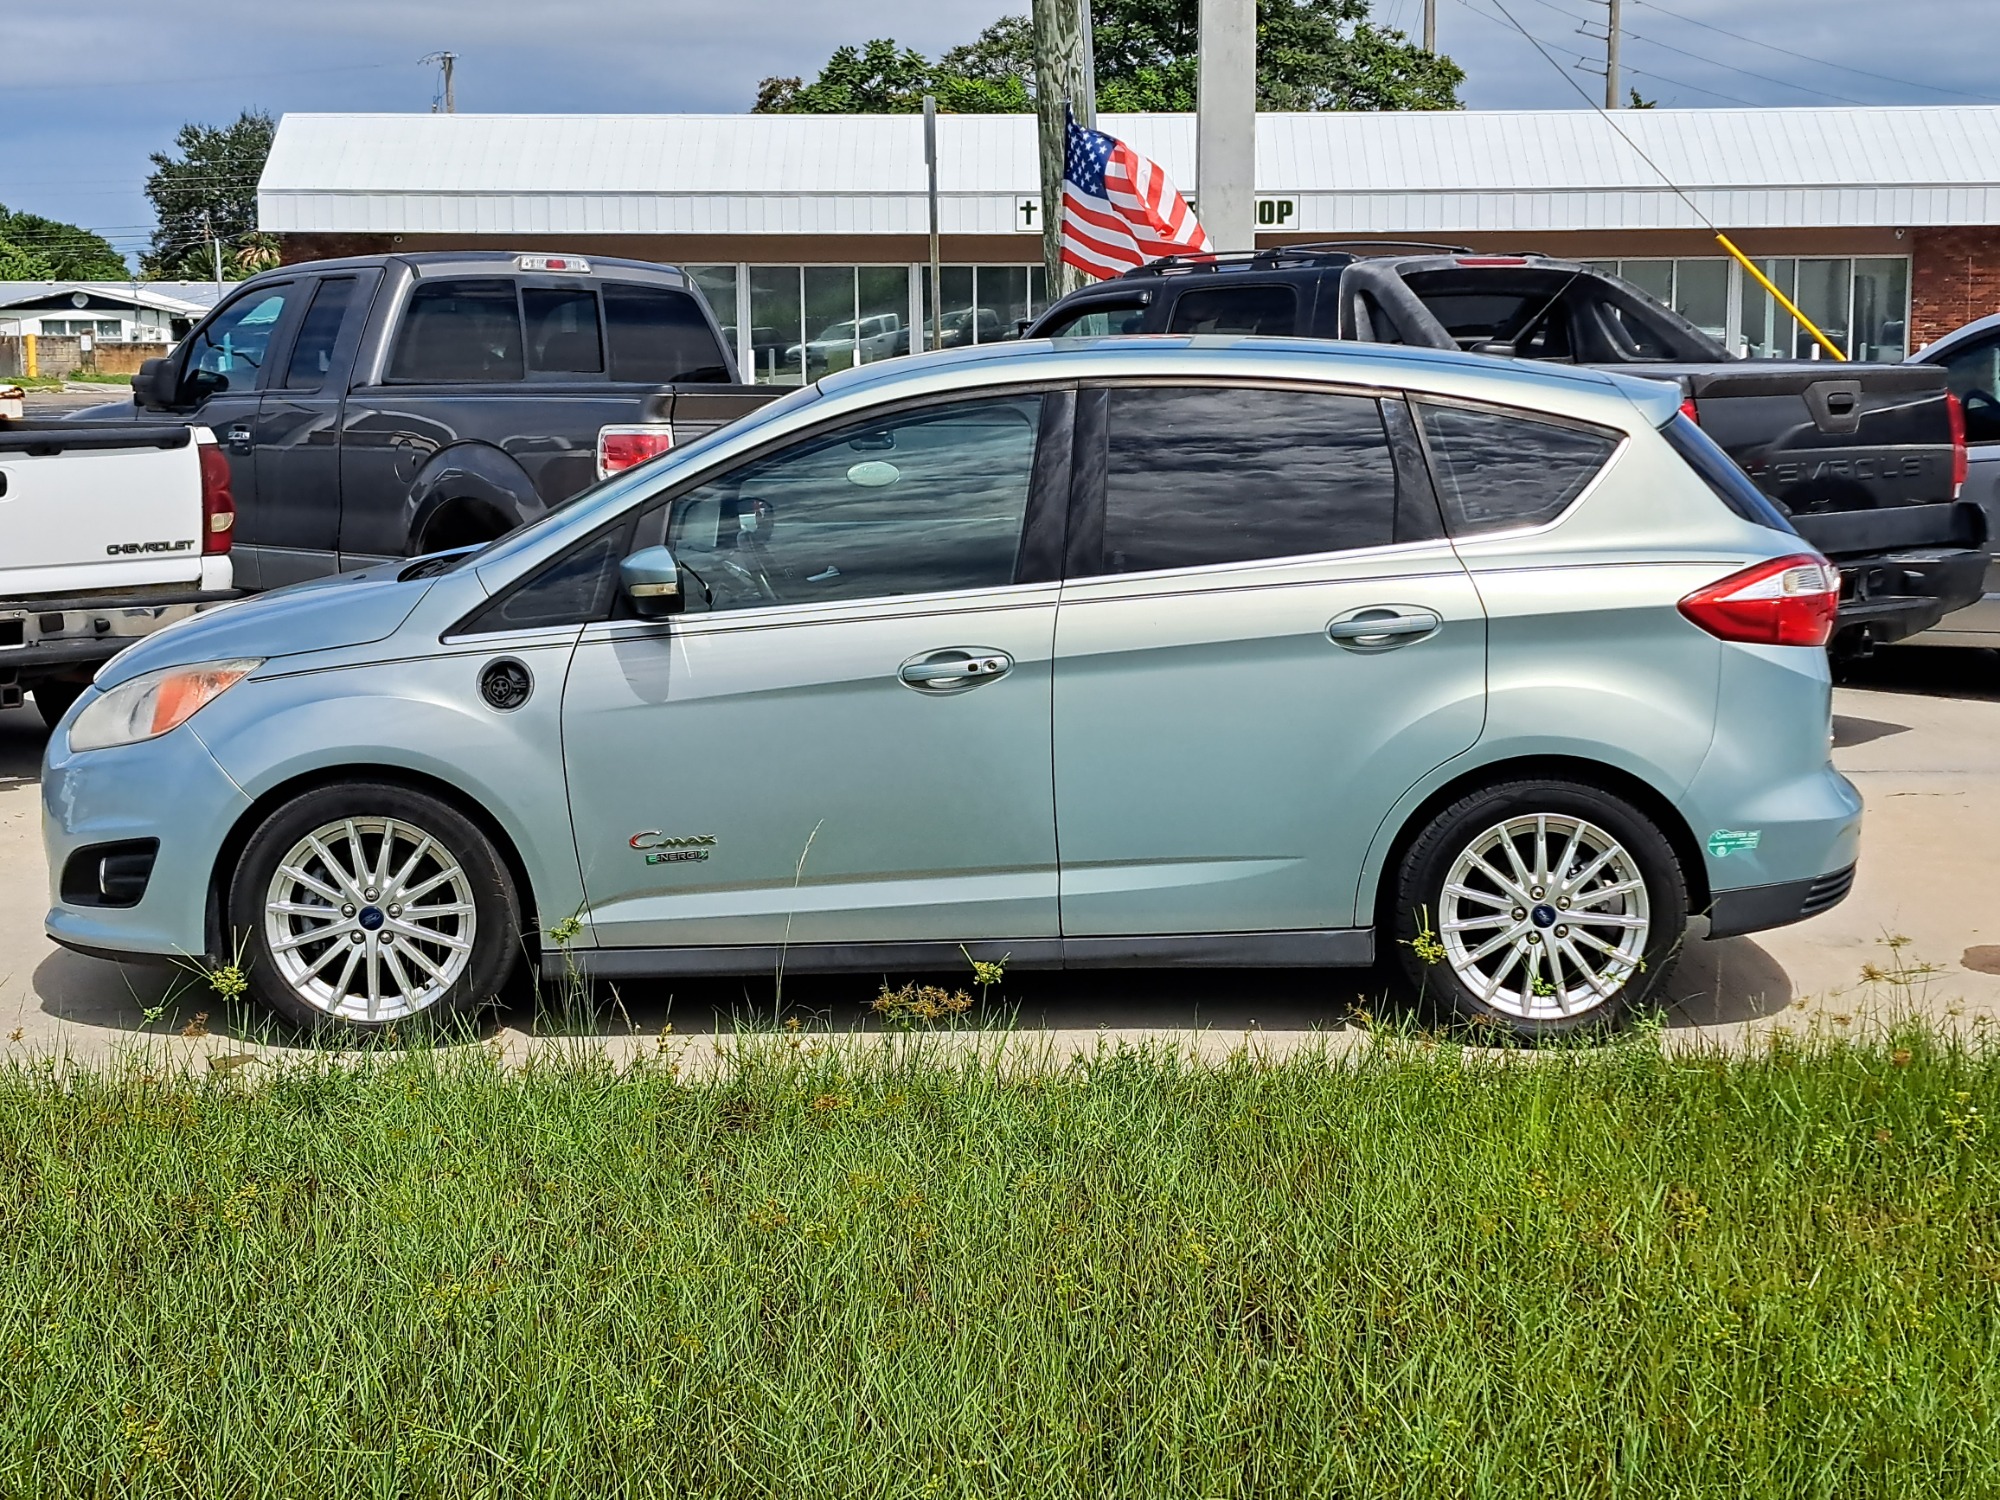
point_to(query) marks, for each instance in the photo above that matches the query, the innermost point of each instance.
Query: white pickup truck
(107, 532)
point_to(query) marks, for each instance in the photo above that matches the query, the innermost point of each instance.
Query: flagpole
(937, 272)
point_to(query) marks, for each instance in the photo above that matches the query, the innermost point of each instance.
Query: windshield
(608, 493)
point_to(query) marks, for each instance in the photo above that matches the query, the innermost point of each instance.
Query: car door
(222, 376)
(845, 738)
(1264, 640)
(297, 435)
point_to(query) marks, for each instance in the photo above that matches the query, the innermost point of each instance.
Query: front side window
(1098, 320)
(233, 346)
(1973, 372)
(1237, 309)
(455, 331)
(1496, 471)
(920, 502)
(658, 335)
(1196, 476)
(312, 351)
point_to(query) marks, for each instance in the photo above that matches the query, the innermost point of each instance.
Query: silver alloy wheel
(1544, 917)
(370, 919)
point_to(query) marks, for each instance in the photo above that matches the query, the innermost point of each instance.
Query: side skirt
(1320, 948)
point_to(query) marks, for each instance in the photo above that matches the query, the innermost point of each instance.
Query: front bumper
(169, 789)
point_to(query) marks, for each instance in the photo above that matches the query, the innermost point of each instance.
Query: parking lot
(1919, 732)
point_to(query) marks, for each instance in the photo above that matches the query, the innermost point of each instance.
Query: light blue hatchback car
(1133, 652)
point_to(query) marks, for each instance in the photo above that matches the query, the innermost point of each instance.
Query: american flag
(1119, 210)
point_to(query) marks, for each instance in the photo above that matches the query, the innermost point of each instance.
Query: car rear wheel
(1541, 907)
(366, 905)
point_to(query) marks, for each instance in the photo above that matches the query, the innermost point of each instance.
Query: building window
(982, 304)
(1861, 304)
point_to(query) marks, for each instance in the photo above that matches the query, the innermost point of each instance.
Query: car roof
(1588, 394)
(430, 262)
(1947, 342)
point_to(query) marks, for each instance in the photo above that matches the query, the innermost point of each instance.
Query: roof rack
(1343, 246)
(1214, 260)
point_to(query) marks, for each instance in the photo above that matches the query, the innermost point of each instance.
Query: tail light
(1791, 601)
(1688, 411)
(218, 505)
(1491, 260)
(620, 448)
(1955, 411)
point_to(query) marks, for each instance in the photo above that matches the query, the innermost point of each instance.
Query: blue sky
(91, 90)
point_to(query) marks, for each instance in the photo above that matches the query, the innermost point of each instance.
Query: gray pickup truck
(391, 405)
(1867, 460)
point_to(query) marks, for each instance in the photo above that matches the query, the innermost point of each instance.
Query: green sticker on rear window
(1727, 841)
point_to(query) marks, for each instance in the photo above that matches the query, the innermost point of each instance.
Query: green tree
(210, 189)
(1311, 54)
(39, 249)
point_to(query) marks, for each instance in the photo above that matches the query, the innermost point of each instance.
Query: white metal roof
(1410, 173)
(187, 298)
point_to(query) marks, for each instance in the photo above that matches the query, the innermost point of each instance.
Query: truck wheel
(52, 699)
(1542, 907)
(367, 904)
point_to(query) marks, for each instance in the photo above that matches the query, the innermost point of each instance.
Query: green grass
(853, 1274)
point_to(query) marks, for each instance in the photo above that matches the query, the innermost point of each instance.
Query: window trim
(1083, 559)
(1047, 489)
(1621, 439)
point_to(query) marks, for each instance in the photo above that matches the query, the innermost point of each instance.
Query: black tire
(486, 885)
(52, 699)
(1521, 1007)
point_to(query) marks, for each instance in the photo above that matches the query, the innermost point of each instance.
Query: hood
(322, 614)
(116, 411)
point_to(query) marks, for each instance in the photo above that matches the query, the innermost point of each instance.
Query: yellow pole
(1783, 301)
(29, 357)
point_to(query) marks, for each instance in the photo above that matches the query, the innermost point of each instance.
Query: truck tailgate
(91, 509)
(697, 411)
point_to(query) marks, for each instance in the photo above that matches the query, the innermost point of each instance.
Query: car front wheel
(369, 904)
(1542, 907)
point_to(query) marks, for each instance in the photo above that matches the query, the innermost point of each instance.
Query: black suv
(1866, 459)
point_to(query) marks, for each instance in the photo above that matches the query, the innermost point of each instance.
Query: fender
(474, 471)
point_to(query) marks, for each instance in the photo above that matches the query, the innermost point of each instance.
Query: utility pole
(1225, 129)
(937, 271)
(1061, 81)
(444, 60)
(1612, 98)
(215, 245)
(1430, 25)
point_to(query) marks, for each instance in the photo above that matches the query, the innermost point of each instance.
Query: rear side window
(562, 330)
(1720, 473)
(455, 331)
(659, 336)
(1496, 471)
(1098, 320)
(1196, 476)
(1237, 309)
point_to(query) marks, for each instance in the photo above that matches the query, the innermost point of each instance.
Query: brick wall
(1954, 278)
(124, 359)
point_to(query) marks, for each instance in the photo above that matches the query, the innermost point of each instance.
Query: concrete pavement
(1918, 731)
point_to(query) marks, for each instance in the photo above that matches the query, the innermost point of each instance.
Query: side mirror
(149, 386)
(652, 581)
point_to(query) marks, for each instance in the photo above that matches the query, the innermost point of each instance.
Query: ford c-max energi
(1133, 652)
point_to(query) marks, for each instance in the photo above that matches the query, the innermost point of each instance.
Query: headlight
(154, 702)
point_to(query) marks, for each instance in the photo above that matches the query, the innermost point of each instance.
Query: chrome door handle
(1383, 627)
(238, 438)
(954, 668)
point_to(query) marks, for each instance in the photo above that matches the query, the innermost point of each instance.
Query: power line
(1825, 62)
(1580, 59)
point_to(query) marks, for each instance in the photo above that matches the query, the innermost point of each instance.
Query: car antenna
(1720, 238)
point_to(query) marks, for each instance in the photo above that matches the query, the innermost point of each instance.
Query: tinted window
(1202, 476)
(659, 336)
(1497, 470)
(1719, 472)
(1973, 371)
(312, 351)
(1097, 320)
(577, 587)
(234, 345)
(1237, 309)
(460, 330)
(562, 330)
(909, 504)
